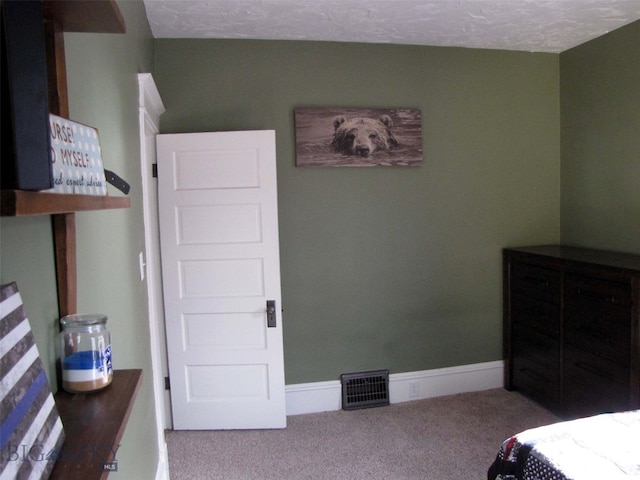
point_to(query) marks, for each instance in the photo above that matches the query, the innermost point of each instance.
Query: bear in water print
(358, 137)
(363, 136)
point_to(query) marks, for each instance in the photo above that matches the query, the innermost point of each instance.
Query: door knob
(271, 313)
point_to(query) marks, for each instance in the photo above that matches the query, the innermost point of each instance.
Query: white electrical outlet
(414, 389)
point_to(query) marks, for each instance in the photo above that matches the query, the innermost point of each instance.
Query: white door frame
(150, 107)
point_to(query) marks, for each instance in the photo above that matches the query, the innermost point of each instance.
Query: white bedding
(603, 447)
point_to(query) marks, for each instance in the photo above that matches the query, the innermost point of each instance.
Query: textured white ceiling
(529, 25)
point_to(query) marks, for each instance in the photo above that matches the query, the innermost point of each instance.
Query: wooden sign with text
(76, 158)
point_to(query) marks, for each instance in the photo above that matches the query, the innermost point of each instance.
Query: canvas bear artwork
(358, 137)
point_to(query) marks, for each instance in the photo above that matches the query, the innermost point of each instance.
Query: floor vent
(365, 389)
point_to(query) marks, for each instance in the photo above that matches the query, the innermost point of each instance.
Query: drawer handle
(596, 296)
(592, 369)
(542, 320)
(536, 281)
(530, 373)
(542, 324)
(590, 332)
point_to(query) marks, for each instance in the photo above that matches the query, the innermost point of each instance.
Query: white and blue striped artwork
(31, 433)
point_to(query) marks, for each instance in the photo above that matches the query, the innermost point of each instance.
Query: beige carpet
(446, 438)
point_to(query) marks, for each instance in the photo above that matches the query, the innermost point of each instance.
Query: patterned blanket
(603, 447)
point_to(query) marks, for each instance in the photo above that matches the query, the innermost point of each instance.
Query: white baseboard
(403, 387)
(162, 469)
(313, 397)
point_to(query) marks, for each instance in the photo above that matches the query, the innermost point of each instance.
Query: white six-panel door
(220, 262)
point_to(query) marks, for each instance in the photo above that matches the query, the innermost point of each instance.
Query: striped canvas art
(31, 432)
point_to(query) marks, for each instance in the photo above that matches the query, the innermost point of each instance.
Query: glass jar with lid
(85, 353)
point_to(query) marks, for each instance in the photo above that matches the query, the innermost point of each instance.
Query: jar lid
(83, 319)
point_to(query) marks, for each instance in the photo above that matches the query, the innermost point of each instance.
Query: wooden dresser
(572, 328)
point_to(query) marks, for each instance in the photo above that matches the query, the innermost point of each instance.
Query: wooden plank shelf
(94, 424)
(91, 16)
(18, 203)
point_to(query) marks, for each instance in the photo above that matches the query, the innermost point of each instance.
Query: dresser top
(586, 255)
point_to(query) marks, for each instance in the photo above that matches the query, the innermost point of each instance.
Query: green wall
(393, 268)
(101, 70)
(600, 87)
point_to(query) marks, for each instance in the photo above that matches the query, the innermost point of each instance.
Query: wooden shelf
(91, 16)
(19, 203)
(94, 424)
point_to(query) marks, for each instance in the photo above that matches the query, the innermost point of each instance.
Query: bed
(602, 447)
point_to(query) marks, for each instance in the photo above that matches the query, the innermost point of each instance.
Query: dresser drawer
(609, 339)
(535, 381)
(536, 314)
(536, 282)
(580, 399)
(537, 347)
(597, 317)
(599, 373)
(599, 294)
